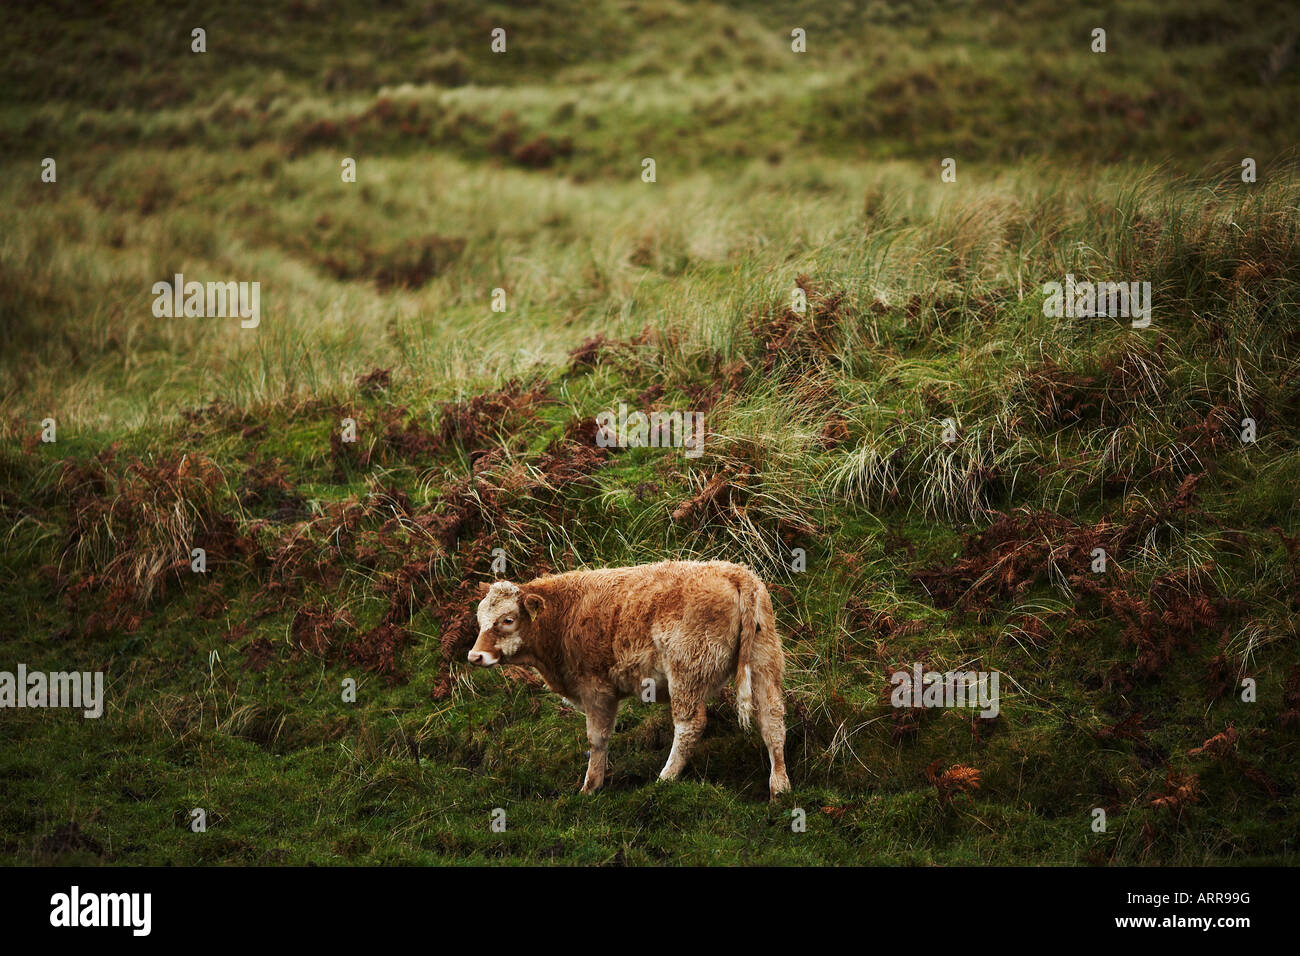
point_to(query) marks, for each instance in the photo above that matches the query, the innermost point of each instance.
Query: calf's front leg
(601, 712)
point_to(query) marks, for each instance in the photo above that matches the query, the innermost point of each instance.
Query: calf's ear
(533, 603)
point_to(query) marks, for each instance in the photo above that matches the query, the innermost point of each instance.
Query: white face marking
(499, 613)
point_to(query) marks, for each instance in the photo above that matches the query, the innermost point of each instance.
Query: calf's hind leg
(770, 708)
(688, 725)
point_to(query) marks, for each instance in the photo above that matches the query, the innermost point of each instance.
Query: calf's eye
(507, 620)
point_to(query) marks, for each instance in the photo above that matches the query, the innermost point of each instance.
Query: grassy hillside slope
(776, 172)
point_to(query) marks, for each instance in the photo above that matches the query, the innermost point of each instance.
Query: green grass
(330, 561)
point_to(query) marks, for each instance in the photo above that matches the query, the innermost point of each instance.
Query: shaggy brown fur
(677, 630)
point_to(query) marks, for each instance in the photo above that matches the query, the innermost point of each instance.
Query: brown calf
(682, 627)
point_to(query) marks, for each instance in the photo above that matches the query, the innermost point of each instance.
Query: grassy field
(946, 456)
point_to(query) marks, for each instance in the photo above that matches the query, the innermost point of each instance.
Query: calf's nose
(476, 657)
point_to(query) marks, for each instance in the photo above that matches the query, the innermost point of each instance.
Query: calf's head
(505, 618)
